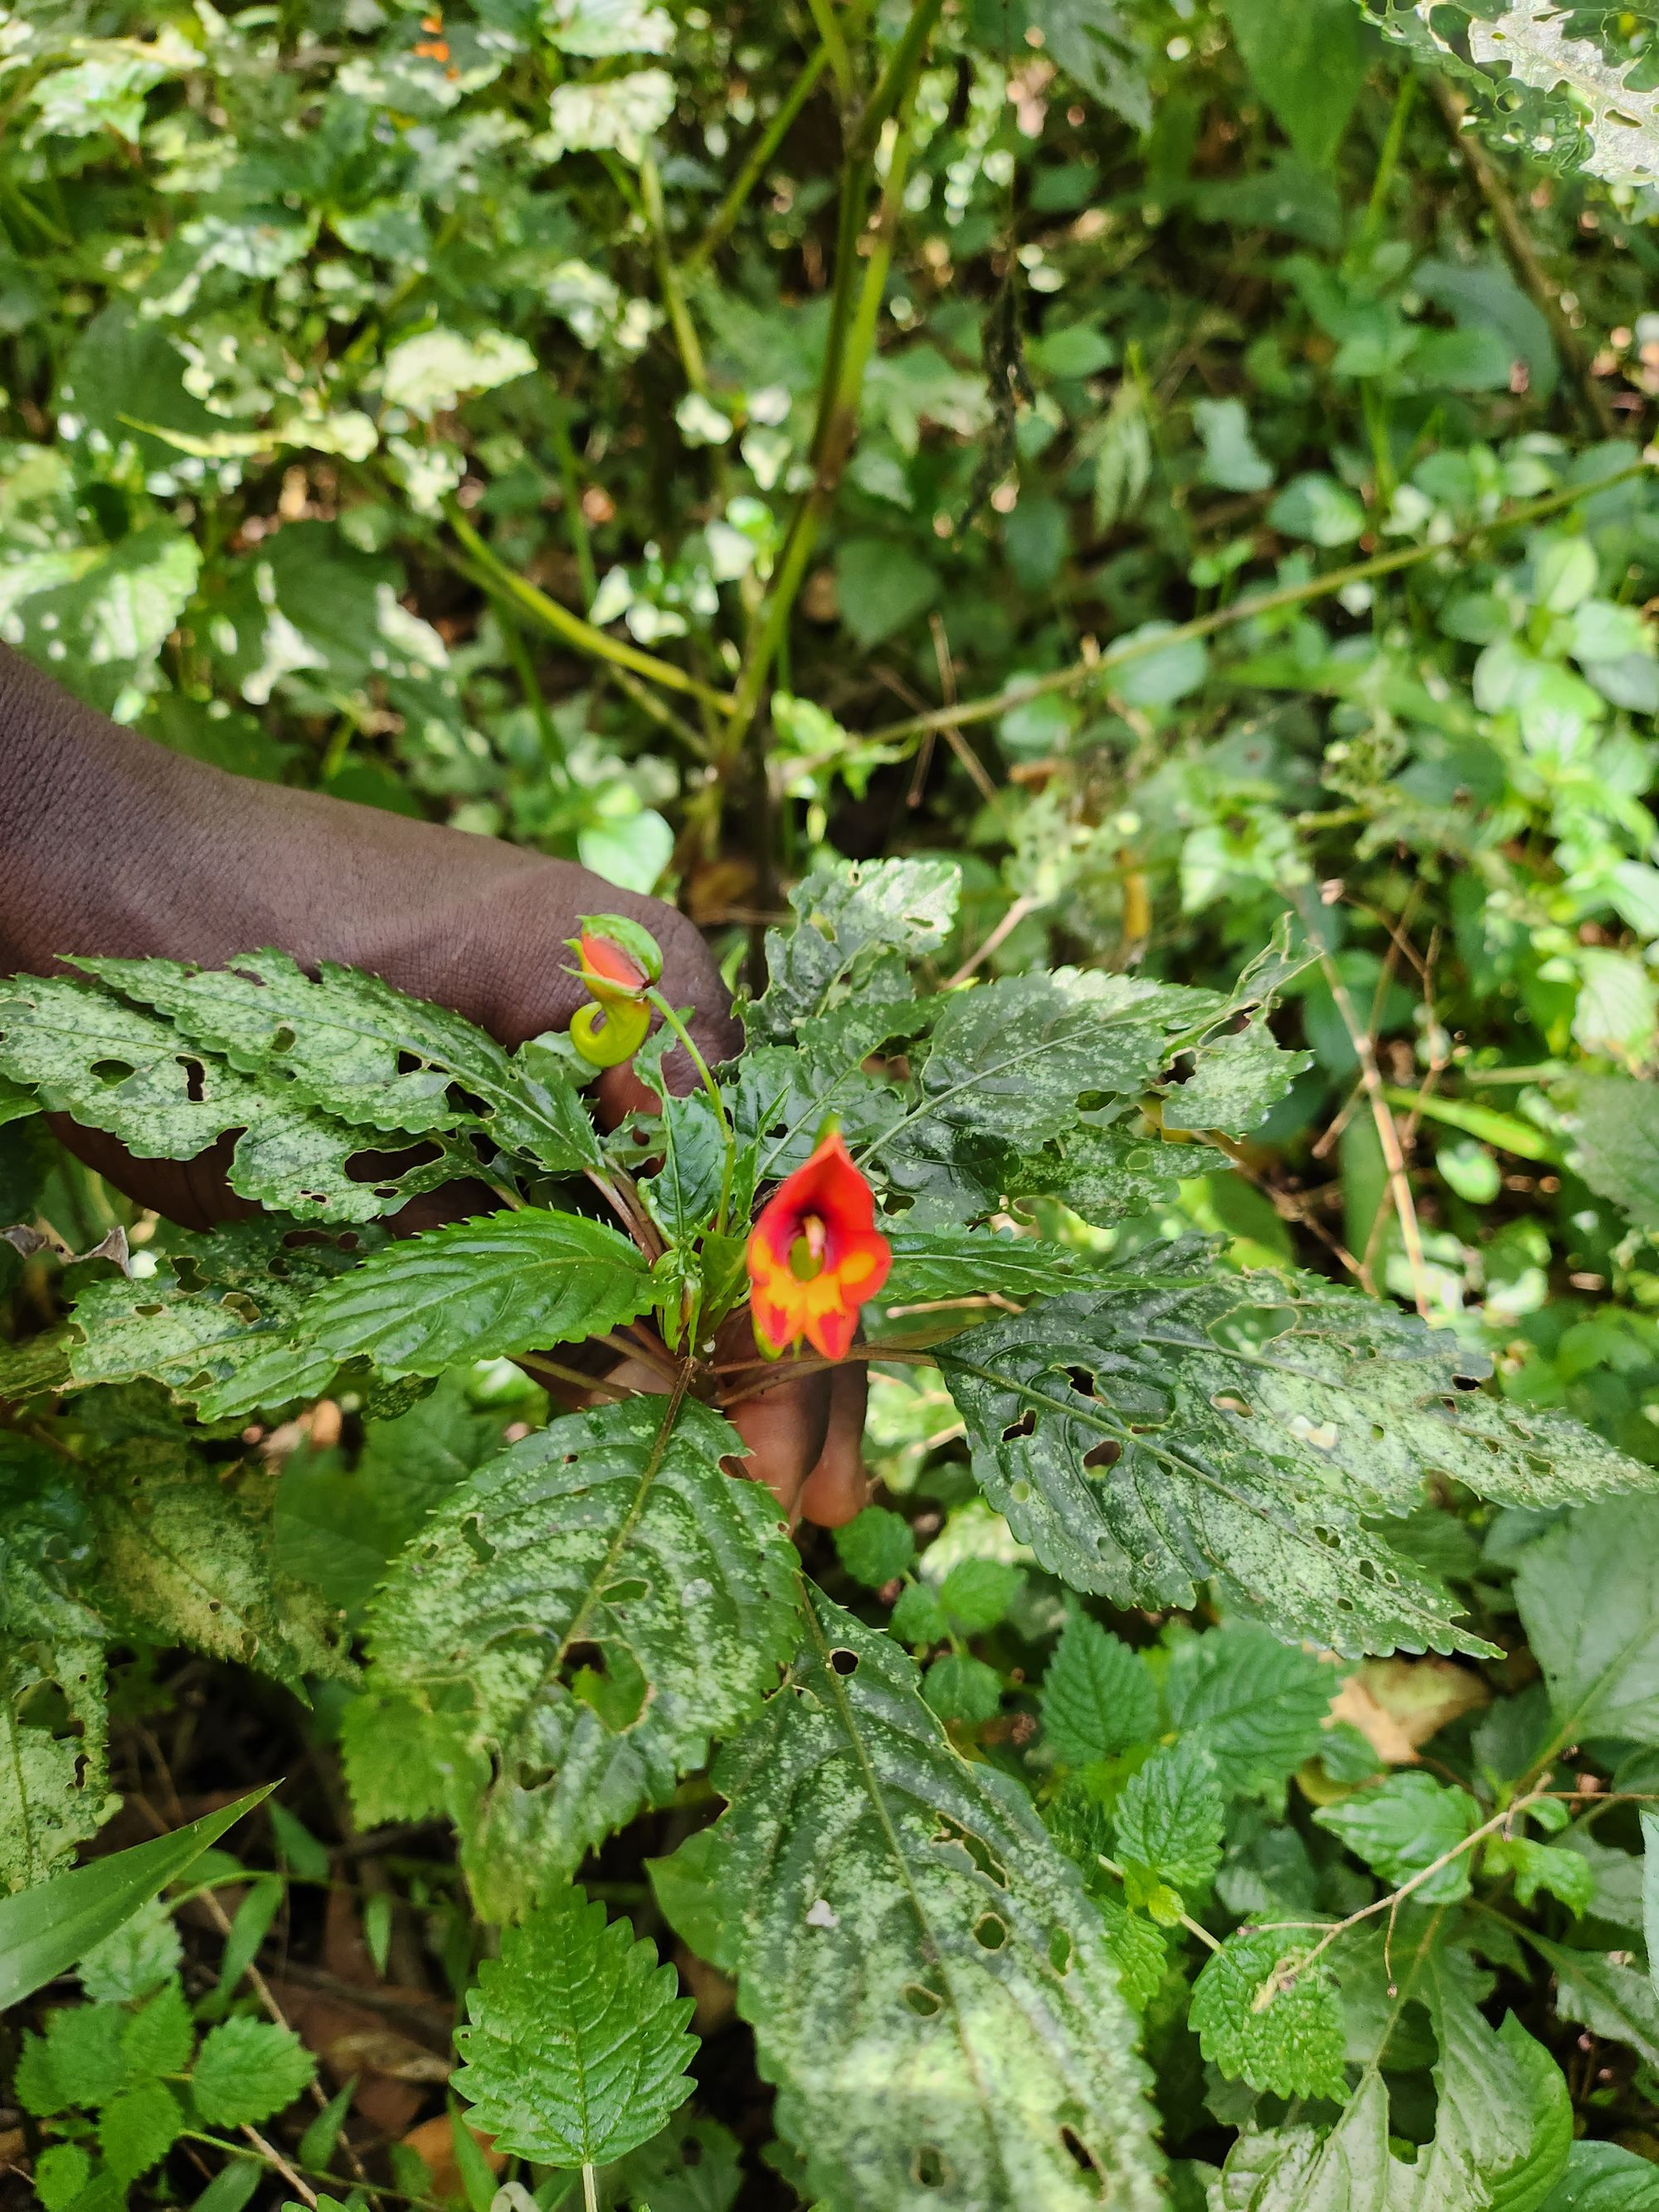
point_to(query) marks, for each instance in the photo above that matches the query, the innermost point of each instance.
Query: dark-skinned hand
(111, 845)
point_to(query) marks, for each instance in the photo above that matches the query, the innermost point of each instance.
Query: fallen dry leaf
(1397, 1705)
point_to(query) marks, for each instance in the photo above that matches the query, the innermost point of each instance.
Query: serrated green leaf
(84, 2056)
(245, 2070)
(876, 1546)
(576, 2052)
(1615, 1121)
(343, 1042)
(976, 1593)
(484, 1290)
(1139, 1951)
(1591, 1605)
(1106, 1174)
(1169, 1424)
(161, 2036)
(109, 1066)
(918, 1616)
(1604, 1995)
(858, 927)
(53, 1716)
(1261, 2022)
(694, 2165)
(1098, 1696)
(902, 1919)
(1256, 1706)
(1010, 1061)
(137, 2130)
(940, 1264)
(1523, 2186)
(959, 1687)
(131, 1960)
(1169, 1817)
(571, 1628)
(1401, 1824)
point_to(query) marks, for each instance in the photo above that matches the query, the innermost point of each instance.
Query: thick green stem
(835, 49)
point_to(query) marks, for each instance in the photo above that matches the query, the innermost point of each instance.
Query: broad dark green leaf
(858, 926)
(487, 1289)
(903, 1921)
(1589, 1603)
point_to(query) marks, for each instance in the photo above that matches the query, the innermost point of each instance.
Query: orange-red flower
(815, 1254)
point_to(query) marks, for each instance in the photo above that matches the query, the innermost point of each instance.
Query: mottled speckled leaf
(573, 1625)
(54, 1771)
(941, 1264)
(110, 1067)
(576, 2052)
(214, 1322)
(187, 1557)
(1620, 121)
(1106, 1174)
(928, 1982)
(1170, 1425)
(344, 1041)
(859, 925)
(1236, 1079)
(484, 1290)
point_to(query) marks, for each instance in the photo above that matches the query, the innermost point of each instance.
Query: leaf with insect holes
(1098, 1696)
(215, 1321)
(54, 1771)
(1107, 1172)
(484, 1290)
(901, 1919)
(1238, 1079)
(1172, 1422)
(858, 926)
(110, 1067)
(561, 1640)
(350, 1046)
(575, 2051)
(1261, 2022)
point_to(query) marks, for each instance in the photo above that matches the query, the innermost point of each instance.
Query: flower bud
(619, 960)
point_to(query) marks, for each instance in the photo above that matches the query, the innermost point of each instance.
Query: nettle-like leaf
(1615, 1121)
(110, 1067)
(53, 1716)
(353, 1047)
(1169, 1425)
(215, 1321)
(486, 1288)
(1590, 1604)
(1009, 1062)
(1263, 2022)
(859, 927)
(925, 1977)
(1256, 1706)
(576, 2052)
(1098, 1696)
(1499, 2145)
(567, 1634)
